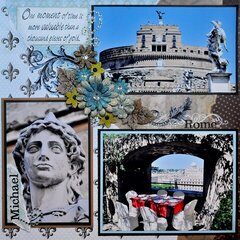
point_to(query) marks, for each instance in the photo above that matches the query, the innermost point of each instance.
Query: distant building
(192, 175)
(159, 61)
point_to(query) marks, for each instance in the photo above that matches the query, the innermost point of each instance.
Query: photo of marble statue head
(50, 158)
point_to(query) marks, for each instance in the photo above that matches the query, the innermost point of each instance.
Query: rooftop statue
(160, 17)
(217, 38)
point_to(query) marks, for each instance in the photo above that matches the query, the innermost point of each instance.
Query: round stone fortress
(159, 61)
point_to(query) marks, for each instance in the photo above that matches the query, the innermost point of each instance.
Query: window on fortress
(164, 38)
(154, 38)
(159, 48)
(199, 51)
(205, 52)
(184, 50)
(174, 41)
(191, 51)
(143, 41)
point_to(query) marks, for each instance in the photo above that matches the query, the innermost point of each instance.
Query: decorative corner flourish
(11, 232)
(84, 232)
(47, 232)
(10, 41)
(10, 73)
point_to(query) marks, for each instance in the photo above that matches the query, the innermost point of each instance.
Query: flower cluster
(86, 88)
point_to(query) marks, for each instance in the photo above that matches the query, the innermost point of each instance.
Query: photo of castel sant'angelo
(159, 61)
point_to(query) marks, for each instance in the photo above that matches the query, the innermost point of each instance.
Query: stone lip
(219, 82)
(219, 74)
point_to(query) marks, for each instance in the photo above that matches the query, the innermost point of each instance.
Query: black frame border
(178, 233)
(4, 164)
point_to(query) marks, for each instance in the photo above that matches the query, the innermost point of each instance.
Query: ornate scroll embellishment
(34, 58)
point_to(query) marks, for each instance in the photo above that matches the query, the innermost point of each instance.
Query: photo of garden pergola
(129, 201)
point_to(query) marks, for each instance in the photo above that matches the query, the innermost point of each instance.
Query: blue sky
(121, 23)
(177, 161)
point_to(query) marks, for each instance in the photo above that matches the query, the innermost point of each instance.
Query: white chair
(179, 195)
(151, 222)
(185, 220)
(125, 223)
(162, 193)
(133, 212)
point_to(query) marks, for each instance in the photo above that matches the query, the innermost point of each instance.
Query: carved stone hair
(74, 149)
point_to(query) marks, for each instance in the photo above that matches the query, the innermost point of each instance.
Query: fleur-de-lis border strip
(11, 232)
(10, 41)
(47, 232)
(28, 89)
(10, 73)
(84, 232)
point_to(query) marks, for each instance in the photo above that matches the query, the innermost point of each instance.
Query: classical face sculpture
(47, 153)
(45, 159)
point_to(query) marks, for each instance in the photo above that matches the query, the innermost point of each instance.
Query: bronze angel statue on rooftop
(217, 38)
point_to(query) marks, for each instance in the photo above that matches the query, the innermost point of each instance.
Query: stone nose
(43, 158)
(44, 153)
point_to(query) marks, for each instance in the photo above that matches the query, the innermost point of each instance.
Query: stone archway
(137, 165)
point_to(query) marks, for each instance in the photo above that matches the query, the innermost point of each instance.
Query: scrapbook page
(119, 119)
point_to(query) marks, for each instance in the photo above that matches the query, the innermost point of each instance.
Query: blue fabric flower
(121, 87)
(82, 74)
(124, 107)
(96, 96)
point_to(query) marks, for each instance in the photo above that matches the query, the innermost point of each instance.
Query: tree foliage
(223, 217)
